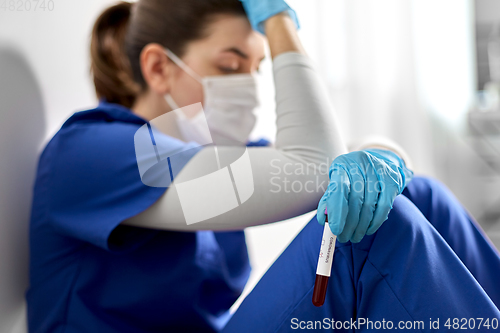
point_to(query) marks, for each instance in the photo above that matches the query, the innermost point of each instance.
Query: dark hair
(124, 29)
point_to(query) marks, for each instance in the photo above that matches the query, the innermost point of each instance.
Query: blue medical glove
(363, 186)
(258, 11)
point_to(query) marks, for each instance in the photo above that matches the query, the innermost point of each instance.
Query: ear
(157, 69)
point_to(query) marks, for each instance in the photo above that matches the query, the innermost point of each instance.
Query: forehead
(226, 32)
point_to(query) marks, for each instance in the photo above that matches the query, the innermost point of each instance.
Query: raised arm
(289, 178)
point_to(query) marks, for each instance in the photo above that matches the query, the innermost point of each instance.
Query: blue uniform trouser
(429, 262)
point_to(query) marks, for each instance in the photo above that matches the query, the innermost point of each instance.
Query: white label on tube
(326, 252)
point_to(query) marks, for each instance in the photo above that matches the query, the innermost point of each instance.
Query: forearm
(283, 188)
(282, 35)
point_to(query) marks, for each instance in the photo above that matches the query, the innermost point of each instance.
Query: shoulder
(108, 121)
(106, 141)
(93, 138)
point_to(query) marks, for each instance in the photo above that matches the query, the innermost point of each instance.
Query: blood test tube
(324, 265)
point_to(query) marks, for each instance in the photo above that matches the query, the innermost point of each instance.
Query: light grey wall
(487, 10)
(44, 78)
(22, 126)
(56, 45)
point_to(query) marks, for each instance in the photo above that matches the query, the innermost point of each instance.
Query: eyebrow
(240, 53)
(237, 52)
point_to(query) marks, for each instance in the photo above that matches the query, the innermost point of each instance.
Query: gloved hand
(363, 186)
(258, 11)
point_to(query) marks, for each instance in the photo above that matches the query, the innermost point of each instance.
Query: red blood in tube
(319, 292)
(320, 284)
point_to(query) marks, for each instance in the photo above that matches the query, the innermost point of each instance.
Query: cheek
(187, 91)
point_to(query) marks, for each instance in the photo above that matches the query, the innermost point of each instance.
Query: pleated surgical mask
(229, 103)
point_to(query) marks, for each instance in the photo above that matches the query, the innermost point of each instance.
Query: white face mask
(230, 102)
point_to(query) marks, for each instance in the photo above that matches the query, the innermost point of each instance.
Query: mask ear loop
(189, 71)
(182, 65)
(195, 76)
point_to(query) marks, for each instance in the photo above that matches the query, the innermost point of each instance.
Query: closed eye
(227, 70)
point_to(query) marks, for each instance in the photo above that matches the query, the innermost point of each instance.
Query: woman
(112, 253)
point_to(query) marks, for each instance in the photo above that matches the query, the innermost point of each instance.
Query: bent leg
(464, 235)
(285, 290)
(411, 267)
(404, 272)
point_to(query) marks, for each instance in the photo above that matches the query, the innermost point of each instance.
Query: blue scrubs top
(89, 273)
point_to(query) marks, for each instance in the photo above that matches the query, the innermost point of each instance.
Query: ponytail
(110, 66)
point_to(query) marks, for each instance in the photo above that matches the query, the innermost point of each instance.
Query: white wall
(22, 126)
(56, 45)
(43, 79)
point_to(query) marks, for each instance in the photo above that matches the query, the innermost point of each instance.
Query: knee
(429, 195)
(404, 216)
(404, 223)
(423, 186)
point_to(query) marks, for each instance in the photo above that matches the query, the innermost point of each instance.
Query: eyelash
(227, 70)
(230, 70)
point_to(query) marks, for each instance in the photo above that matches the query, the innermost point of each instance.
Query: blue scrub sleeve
(95, 184)
(262, 142)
